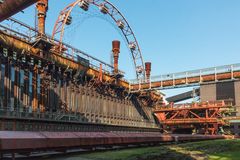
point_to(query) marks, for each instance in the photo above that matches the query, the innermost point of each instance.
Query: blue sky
(175, 35)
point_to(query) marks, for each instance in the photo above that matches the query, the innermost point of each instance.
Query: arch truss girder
(105, 7)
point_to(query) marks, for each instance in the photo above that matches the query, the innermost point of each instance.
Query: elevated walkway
(189, 78)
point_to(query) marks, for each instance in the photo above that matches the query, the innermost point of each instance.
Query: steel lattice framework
(106, 8)
(207, 115)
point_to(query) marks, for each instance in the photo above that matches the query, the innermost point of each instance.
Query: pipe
(10, 7)
(148, 67)
(116, 51)
(42, 7)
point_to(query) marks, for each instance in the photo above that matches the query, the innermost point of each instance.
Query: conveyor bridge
(189, 78)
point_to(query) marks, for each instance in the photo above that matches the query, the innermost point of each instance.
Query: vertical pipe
(69, 96)
(11, 87)
(42, 7)
(46, 91)
(73, 98)
(16, 87)
(53, 94)
(84, 101)
(65, 92)
(30, 91)
(21, 90)
(38, 91)
(116, 51)
(148, 70)
(62, 92)
(77, 100)
(50, 97)
(57, 93)
(42, 92)
(25, 92)
(34, 89)
(101, 73)
(80, 99)
(26, 89)
(7, 84)
(1, 85)
(5, 74)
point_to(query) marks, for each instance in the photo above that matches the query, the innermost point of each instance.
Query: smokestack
(42, 7)
(148, 67)
(116, 51)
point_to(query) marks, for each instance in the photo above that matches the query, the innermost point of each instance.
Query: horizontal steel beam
(212, 75)
(184, 96)
(11, 7)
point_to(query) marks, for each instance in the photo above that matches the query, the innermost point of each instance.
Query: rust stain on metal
(11, 7)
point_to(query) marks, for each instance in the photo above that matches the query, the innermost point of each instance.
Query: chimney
(148, 67)
(42, 7)
(116, 51)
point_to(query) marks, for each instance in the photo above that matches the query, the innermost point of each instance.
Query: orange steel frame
(206, 115)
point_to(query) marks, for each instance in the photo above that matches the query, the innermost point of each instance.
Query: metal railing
(209, 104)
(200, 73)
(29, 34)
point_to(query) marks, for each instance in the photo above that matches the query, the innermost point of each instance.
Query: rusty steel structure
(44, 78)
(189, 78)
(205, 117)
(62, 97)
(39, 83)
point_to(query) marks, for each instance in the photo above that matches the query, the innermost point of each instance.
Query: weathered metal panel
(10, 7)
(23, 141)
(225, 91)
(208, 92)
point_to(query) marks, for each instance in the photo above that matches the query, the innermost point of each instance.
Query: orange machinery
(205, 116)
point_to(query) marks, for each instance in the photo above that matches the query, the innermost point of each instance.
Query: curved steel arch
(119, 19)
